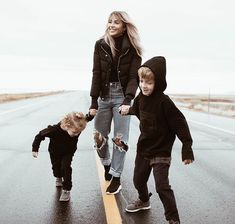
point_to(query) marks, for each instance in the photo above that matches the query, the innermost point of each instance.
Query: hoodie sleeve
(134, 109)
(47, 132)
(179, 126)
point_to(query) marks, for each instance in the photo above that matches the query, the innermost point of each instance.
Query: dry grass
(220, 104)
(19, 96)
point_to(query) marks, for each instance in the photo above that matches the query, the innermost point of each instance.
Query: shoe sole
(115, 192)
(138, 209)
(64, 199)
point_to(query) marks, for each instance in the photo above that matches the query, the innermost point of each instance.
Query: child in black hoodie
(63, 144)
(160, 122)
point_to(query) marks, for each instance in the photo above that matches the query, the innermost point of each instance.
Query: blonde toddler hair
(76, 120)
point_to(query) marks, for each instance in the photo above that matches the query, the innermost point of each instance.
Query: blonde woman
(117, 57)
(63, 144)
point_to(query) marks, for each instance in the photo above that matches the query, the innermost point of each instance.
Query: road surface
(205, 190)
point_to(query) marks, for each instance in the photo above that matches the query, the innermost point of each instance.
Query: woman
(117, 57)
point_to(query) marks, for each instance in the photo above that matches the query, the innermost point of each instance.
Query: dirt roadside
(223, 105)
(20, 96)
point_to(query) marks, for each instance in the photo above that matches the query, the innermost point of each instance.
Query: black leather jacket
(128, 64)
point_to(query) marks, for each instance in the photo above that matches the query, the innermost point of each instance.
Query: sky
(48, 44)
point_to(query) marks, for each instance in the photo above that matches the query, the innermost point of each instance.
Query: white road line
(213, 127)
(19, 108)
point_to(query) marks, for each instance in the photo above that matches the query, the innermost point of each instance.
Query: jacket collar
(125, 44)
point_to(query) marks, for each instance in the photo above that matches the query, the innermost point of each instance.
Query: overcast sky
(48, 44)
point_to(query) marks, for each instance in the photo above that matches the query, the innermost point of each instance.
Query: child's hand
(187, 161)
(35, 154)
(93, 112)
(124, 109)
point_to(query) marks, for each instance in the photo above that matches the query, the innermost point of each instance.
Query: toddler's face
(147, 86)
(72, 131)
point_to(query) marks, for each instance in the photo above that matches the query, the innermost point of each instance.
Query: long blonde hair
(131, 30)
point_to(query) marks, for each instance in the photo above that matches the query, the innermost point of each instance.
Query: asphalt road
(205, 190)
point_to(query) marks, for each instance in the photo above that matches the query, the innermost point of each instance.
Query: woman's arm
(96, 78)
(133, 79)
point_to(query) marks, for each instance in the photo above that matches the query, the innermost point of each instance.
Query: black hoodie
(160, 120)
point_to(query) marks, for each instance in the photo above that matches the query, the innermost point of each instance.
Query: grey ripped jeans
(108, 112)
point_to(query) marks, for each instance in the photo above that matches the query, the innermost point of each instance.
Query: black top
(114, 69)
(60, 141)
(160, 120)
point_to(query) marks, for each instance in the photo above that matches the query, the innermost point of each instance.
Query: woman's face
(115, 26)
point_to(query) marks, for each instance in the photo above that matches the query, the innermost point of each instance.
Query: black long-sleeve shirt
(60, 141)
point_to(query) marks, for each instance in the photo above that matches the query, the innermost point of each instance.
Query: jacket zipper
(119, 59)
(109, 57)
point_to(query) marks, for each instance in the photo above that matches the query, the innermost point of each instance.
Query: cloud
(48, 38)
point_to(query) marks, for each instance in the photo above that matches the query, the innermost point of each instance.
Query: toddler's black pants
(61, 166)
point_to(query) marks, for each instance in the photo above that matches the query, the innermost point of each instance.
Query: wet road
(204, 190)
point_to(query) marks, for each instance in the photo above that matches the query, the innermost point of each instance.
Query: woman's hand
(35, 154)
(124, 109)
(187, 161)
(93, 112)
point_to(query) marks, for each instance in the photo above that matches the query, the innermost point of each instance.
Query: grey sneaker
(59, 182)
(65, 195)
(174, 222)
(138, 205)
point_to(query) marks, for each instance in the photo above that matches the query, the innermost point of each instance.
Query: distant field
(216, 104)
(20, 96)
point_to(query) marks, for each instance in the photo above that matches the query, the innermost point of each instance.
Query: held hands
(35, 154)
(124, 109)
(187, 161)
(93, 112)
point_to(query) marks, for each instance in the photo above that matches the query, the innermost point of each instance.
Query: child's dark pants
(61, 166)
(160, 172)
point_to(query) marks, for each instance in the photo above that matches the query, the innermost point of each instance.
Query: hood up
(158, 67)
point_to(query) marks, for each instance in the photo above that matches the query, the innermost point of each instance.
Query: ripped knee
(121, 145)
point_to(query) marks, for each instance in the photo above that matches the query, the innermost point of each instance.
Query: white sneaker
(65, 195)
(59, 182)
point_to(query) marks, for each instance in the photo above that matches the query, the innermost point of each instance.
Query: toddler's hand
(187, 161)
(35, 154)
